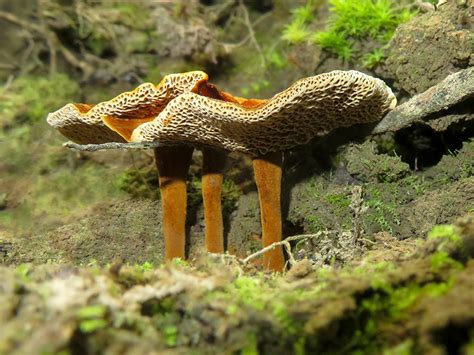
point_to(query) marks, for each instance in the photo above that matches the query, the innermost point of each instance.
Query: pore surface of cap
(310, 107)
(114, 120)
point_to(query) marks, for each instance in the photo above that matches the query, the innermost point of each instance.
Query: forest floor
(385, 264)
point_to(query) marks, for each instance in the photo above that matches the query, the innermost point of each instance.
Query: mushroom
(115, 120)
(202, 116)
(263, 129)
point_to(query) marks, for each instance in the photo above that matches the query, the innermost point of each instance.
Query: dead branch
(111, 145)
(52, 42)
(286, 244)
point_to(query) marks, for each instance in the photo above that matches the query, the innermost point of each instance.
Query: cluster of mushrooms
(184, 111)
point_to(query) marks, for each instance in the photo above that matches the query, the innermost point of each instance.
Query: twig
(358, 210)
(112, 145)
(52, 42)
(9, 81)
(246, 38)
(286, 244)
(249, 26)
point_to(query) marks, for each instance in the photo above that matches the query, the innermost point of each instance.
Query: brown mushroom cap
(114, 120)
(310, 107)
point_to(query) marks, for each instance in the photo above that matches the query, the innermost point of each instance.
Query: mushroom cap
(114, 120)
(310, 107)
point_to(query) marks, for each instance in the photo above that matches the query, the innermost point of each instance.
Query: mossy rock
(366, 165)
(430, 47)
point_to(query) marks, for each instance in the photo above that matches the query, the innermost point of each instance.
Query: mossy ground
(217, 303)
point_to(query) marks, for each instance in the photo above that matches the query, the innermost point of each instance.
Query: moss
(442, 260)
(340, 202)
(251, 346)
(297, 30)
(380, 211)
(60, 193)
(373, 59)
(350, 23)
(139, 182)
(31, 98)
(445, 234)
(170, 333)
(390, 304)
(365, 163)
(314, 224)
(92, 318)
(23, 270)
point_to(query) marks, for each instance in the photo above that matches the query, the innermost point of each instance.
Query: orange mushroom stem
(268, 172)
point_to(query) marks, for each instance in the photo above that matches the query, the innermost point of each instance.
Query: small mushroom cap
(115, 120)
(310, 107)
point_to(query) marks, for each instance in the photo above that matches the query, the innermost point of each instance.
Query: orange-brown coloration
(125, 126)
(247, 103)
(173, 165)
(267, 170)
(212, 179)
(83, 108)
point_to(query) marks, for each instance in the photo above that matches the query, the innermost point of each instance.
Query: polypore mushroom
(206, 117)
(114, 121)
(310, 107)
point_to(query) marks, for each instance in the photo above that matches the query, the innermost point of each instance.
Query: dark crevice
(421, 147)
(453, 337)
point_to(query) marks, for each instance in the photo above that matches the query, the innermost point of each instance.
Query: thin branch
(52, 41)
(249, 26)
(246, 38)
(112, 145)
(286, 244)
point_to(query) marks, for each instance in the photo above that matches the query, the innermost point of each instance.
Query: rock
(430, 47)
(364, 164)
(429, 107)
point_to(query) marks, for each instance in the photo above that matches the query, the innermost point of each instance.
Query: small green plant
(23, 270)
(445, 232)
(276, 59)
(297, 30)
(251, 346)
(146, 266)
(442, 260)
(373, 59)
(92, 318)
(180, 262)
(349, 22)
(170, 333)
(334, 42)
(383, 213)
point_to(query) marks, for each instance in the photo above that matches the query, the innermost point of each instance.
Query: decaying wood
(425, 107)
